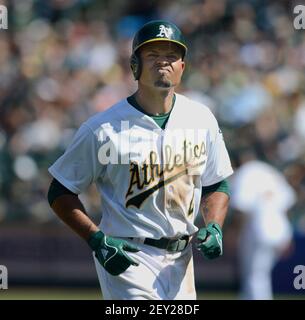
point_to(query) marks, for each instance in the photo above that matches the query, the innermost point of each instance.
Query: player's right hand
(110, 252)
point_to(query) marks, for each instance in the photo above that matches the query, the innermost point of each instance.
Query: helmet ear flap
(135, 65)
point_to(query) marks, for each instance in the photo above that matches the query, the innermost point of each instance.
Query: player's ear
(135, 65)
(182, 65)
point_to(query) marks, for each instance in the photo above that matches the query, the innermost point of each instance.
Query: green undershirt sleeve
(222, 186)
(57, 189)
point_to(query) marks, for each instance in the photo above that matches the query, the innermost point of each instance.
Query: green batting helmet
(156, 30)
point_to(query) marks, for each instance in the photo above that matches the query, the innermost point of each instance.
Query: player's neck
(155, 103)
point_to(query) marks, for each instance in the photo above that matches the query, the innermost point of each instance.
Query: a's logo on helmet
(164, 32)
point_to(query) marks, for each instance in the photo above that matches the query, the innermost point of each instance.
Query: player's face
(162, 64)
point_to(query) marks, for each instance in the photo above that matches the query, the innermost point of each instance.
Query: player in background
(156, 158)
(263, 196)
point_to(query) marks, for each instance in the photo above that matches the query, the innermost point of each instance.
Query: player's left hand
(210, 241)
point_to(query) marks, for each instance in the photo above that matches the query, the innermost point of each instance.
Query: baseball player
(157, 159)
(263, 195)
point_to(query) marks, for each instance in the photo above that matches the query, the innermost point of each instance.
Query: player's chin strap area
(171, 245)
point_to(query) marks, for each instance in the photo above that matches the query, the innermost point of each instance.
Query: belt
(171, 245)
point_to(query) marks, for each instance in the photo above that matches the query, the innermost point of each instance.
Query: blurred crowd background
(64, 60)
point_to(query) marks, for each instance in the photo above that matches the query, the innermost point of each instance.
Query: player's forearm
(72, 212)
(215, 208)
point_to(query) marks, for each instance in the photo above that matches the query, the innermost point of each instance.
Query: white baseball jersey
(149, 179)
(262, 192)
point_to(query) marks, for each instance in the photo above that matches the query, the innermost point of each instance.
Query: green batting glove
(110, 252)
(210, 241)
